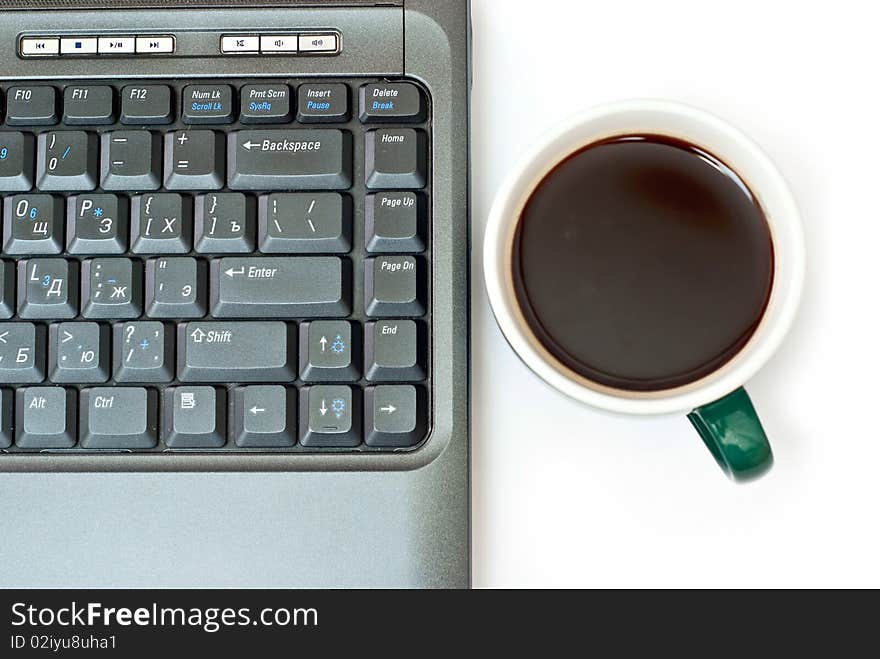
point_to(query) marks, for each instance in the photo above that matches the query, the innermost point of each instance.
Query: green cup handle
(731, 430)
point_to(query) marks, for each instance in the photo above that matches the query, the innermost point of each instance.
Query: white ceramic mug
(716, 404)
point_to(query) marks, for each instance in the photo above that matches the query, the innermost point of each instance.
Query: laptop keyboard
(225, 266)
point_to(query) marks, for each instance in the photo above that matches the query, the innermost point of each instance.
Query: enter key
(281, 287)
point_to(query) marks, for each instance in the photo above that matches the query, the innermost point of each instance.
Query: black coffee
(643, 263)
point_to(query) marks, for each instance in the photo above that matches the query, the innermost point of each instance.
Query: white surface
(710, 133)
(568, 496)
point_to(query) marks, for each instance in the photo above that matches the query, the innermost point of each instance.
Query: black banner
(265, 623)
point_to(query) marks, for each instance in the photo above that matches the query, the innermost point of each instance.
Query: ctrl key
(118, 418)
(46, 417)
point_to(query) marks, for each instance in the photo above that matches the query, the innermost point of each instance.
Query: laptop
(234, 294)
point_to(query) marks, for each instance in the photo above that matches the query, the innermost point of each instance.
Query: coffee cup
(551, 338)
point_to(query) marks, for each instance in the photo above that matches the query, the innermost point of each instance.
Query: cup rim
(698, 127)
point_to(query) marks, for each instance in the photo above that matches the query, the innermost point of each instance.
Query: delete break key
(392, 102)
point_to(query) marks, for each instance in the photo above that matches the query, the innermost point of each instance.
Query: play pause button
(115, 45)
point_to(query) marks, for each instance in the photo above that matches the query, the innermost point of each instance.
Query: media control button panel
(94, 46)
(327, 42)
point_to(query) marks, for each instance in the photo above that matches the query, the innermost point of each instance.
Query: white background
(568, 496)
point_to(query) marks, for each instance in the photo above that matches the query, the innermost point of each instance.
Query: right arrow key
(395, 416)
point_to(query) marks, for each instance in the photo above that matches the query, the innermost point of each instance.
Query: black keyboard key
(225, 223)
(131, 160)
(328, 351)
(112, 288)
(280, 287)
(194, 417)
(22, 353)
(146, 104)
(394, 351)
(79, 353)
(266, 104)
(303, 223)
(6, 405)
(48, 288)
(7, 289)
(33, 224)
(394, 102)
(329, 416)
(264, 416)
(32, 105)
(207, 104)
(67, 161)
(192, 248)
(161, 224)
(143, 351)
(395, 222)
(394, 286)
(45, 417)
(16, 161)
(195, 160)
(322, 103)
(177, 287)
(97, 224)
(236, 352)
(395, 416)
(318, 159)
(118, 418)
(88, 105)
(396, 158)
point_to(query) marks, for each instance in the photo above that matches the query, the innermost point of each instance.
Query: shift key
(280, 287)
(319, 159)
(236, 352)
